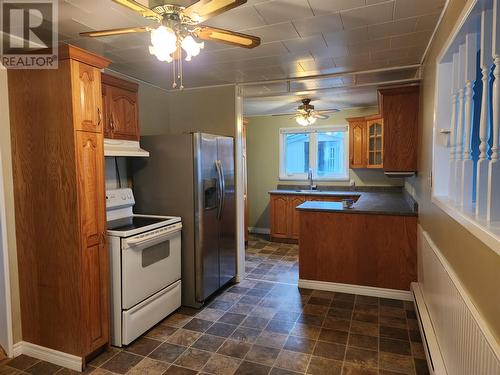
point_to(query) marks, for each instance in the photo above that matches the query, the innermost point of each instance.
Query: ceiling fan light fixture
(305, 120)
(164, 43)
(191, 47)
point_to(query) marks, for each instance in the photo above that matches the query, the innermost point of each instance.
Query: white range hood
(117, 147)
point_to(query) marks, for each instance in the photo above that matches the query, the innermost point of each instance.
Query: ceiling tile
(369, 46)
(413, 39)
(346, 37)
(333, 51)
(318, 64)
(267, 49)
(237, 19)
(369, 15)
(427, 22)
(318, 24)
(275, 11)
(299, 45)
(412, 8)
(386, 29)
(276, 32)
(329, 6)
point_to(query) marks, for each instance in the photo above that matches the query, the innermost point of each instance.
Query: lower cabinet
(284, 218)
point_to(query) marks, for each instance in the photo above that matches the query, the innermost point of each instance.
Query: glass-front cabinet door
(375, 132)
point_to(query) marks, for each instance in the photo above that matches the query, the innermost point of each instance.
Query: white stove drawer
(145, 315)
(150, 262)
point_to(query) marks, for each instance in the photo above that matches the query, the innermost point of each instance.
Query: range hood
(117, 147)
(399, 174)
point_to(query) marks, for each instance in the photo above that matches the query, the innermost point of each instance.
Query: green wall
(263, 161)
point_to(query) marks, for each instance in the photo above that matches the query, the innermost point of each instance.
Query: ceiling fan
(179, 27)
(307, 115)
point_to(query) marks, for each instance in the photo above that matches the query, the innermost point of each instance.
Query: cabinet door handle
(103, 238)
(99, 116)
(111, 123)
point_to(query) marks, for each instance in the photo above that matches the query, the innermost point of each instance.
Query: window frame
(313, 151)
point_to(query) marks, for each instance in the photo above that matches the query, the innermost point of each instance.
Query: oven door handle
(152, 239)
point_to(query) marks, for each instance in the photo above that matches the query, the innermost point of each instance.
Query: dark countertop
(376, 203)
(315, 192)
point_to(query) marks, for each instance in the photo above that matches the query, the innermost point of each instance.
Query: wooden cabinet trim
(110, 80)
(71, 52)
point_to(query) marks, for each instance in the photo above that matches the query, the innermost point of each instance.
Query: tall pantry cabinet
(58, 169)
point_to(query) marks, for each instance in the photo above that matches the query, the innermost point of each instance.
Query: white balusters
(483, 162)
(493, 209)
(471, 48)
(459, 140)
(453, 127)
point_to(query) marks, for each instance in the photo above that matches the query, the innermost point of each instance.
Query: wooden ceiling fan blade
(110, 32)
(139, 8)
(227, 36)
(205, 9)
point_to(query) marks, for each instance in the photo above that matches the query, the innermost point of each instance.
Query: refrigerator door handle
(223, 189)
(220, 188)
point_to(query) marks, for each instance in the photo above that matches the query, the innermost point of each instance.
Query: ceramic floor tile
(122, 362)
(263, 325)
(221, 365)
(43, 368)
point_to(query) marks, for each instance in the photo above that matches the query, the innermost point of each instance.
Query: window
(323, 149)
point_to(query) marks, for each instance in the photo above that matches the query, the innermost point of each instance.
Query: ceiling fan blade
(320, 116)
(127, 30)
(333, 110)
(227, 36)
(138, 7)
(205, 9)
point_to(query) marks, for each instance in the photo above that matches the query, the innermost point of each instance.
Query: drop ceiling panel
(329, 6)
(241, 18)
(412, 8)
(276, 32)
(318, 24)
(275, 11)
(299, 38)
(299, 45)
(369, 15)
(392, 28)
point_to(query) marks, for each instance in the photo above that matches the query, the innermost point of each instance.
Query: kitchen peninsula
(371, 244)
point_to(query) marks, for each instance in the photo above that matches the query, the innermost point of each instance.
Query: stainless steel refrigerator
(192, 176)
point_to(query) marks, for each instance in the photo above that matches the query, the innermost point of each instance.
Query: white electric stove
(145, 265)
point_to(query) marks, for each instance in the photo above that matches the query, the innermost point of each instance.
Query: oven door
(150, 262)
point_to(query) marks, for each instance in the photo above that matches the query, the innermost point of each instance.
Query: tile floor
(266, 325)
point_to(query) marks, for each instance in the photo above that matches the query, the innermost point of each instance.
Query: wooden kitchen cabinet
(366, 142)
(120, 98)
(399, 108)
(58, 170)
(285, 219)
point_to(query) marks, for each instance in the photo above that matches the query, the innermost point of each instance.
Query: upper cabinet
(387, 140)
(87, 104)
(365, 142)
(374, 137)
(120, 98)
(399, 108)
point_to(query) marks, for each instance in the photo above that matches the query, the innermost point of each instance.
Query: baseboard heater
(456, 338)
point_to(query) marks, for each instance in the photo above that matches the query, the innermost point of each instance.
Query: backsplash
(112, 180)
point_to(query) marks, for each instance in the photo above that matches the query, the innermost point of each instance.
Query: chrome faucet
(310, 178)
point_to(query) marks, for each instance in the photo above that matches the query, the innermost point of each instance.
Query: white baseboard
(432, 351)
(356, 289)
(257, 230)
(49, 355)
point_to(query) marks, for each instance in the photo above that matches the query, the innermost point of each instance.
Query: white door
(5, 319)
